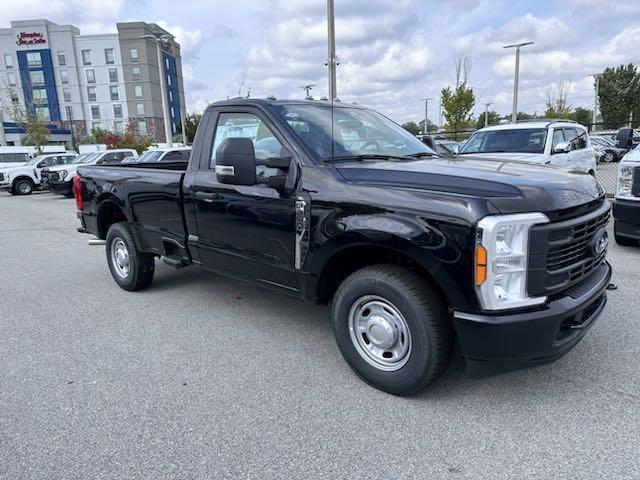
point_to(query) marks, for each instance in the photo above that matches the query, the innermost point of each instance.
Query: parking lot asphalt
(205, 377)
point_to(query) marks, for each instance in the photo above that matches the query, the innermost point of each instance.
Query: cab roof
(272, 101)
(524, 124)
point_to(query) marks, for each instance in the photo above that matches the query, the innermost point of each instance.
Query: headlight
(62, 174)
(502, 248)
(626, 173)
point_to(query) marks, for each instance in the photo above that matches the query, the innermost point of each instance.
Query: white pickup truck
(560, 143)
(59, 179)
(24, 179)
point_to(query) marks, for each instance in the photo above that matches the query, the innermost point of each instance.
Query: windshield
(150, 156)
(355, 132)
(37, 159)
(517, 140)
(84, 158)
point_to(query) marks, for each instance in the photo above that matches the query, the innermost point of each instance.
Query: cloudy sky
(392, 52)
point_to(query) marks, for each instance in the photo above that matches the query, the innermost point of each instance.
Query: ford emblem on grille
(600, 242)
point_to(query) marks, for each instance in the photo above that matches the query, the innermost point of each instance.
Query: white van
(561, 143)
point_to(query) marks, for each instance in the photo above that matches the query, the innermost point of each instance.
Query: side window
(51, 161)
(577, 137)
(558, 137)
(174, 156)
(246, 125)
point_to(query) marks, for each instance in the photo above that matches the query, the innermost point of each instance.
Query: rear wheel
(131, 269)
(22, 186)
(392, 328)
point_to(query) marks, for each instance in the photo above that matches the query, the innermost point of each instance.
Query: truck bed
(149, 194)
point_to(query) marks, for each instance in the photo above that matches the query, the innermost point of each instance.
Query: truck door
(244, 231)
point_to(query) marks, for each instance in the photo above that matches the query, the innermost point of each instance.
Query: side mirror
(236, 162)
(625, 138)
(562, 147)
(455, 149)
(41, 165)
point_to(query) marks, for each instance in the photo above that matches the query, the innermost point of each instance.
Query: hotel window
(91, 94)
(135, 74)
(8, 61)
(140, 108)
(113, 75)
(170, 96)
(34, 59)
(168, 80)
(133, 55)
(86, 57)
(166, 62)
(117, 111)
(142, 127)
(173, 125)
(43, 113)
(69, 111)
(115, 93)
(91, 76)
(137, 91)
(14, 96)
(173, 112)
(109, 56)
(64, 76)
(118, 127)
(62, 60)
(37, 77)
(39, 95)
(11, 78)
(95, 112)
(66, 94)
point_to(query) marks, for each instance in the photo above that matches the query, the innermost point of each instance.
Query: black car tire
(140, 266)
(22, 186)
(425, 315)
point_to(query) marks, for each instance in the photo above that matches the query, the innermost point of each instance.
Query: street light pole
(596, 76)
(486, 113)
(426, 114)
(514, 114)
(331, 61)
(163, 89)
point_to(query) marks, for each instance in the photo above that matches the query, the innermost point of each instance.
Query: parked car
(173, 154)
(60, 179)
(406, 248)
(563, 144)
(611, 153)
(626, 207)
(442, 146)
(23, 180)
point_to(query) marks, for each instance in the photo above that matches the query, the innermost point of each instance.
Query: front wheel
(131, 269)
(392, 328)
(23, 187)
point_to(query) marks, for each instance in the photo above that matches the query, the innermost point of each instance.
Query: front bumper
(492, 343)
(626, 214)
(61, 188)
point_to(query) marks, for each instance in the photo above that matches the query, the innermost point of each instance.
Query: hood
(512, 187)
(632, 156)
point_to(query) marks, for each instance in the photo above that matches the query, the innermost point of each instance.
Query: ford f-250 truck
(337, 204)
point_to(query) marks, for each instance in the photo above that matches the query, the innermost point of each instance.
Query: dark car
(611, 152)
(338, 205)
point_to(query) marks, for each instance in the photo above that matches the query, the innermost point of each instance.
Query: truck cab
(23, 180)
(336, 204)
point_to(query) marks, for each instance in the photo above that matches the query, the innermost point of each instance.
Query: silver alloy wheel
(24, 188)
(120, 258)
(380, 333)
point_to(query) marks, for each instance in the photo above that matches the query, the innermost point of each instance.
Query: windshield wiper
(422, 154)
(363, 157)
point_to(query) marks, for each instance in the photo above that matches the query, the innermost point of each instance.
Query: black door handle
(206, 197)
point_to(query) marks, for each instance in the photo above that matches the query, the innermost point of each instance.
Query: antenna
(307, 89)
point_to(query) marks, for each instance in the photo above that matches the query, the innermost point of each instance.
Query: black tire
(140, 267)
(22, 186)
(425, 315)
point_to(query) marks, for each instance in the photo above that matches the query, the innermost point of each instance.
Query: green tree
(457, 105)
(557, 106)
(191, 125)
(36, 131)
(583, 116)
(493, 119)
(430, 129)
(619, 95)
(412, 128)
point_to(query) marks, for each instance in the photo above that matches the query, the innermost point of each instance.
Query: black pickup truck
(337, 204)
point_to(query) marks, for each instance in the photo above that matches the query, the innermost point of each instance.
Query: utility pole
(486, 113)
(426, 114)
(332, 59)
(307, 89)
(596, 76)
(514, 114)
(3, 138)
